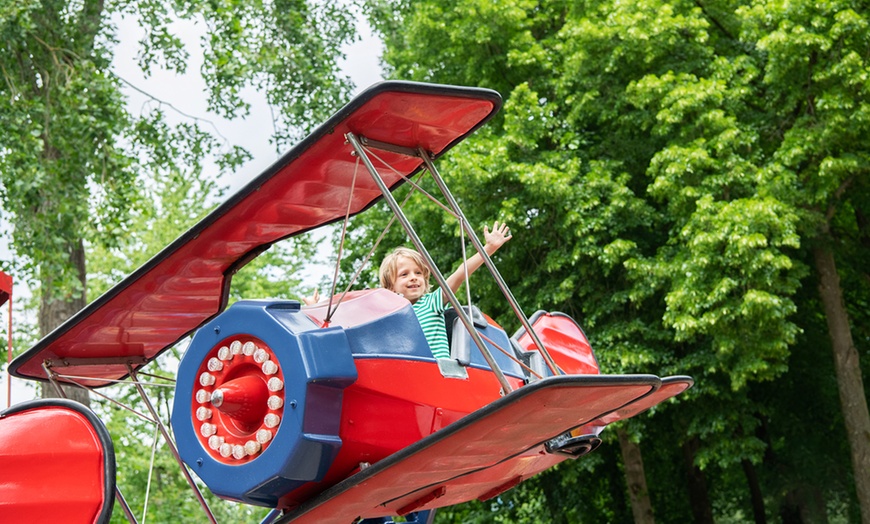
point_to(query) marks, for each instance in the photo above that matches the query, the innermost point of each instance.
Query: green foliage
(62, 114)
(664, 168)
(285, 49)
(73, 160)
(79, 171)
(275, 273)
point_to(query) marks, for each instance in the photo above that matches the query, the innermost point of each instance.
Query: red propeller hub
(243, 399)
(239, 403)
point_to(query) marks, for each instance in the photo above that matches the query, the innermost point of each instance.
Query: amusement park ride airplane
(335, 412)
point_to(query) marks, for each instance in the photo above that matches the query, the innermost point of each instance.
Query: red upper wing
(186, 283)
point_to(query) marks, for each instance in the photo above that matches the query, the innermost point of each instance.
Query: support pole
(6, 294)
(125, 508)
(171, 444)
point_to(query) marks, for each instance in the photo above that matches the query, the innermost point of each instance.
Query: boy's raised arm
(496, 238)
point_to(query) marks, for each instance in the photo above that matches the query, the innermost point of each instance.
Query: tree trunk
(638, 494)
(699, 499)
(755, 492)
(849, 380)
(804, 505)
(54, 311)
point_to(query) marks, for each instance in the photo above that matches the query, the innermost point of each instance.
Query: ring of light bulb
(223, 437)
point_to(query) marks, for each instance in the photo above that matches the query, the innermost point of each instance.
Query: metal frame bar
(329, 309)
(418, 244)
(9, 354)
(125, 508)
(119, 497)
(171, 444)
(393, 148)
(487, 261)
(97, 361)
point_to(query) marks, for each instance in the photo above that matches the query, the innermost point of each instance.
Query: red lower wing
(481, 455)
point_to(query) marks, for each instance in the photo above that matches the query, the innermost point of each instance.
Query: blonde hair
(390, 267)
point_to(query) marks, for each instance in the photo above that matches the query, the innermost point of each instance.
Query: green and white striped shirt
(430, 313)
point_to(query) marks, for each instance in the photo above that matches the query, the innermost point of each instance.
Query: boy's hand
(313, 299)
(500, 234)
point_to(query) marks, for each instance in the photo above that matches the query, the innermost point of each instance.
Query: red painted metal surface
(186, 284)
(240, 417)
(54, 467)
(565, 342)
(393, 404)
(479, 455)
(5, 287)
(671, 387)
(356, 307)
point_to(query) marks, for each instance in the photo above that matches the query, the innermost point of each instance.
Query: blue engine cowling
(258, 400)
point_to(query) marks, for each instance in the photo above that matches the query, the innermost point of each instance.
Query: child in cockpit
(405, 272)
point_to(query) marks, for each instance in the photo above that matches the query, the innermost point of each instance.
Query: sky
(186, 95)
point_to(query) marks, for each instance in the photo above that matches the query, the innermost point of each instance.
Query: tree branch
(829, 214)
(169, 105)
(714, 21)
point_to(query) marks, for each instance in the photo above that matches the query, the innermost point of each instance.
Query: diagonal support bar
(171, 444)
(418, 244)
(125, 508)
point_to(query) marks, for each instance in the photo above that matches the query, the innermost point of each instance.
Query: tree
(816, 73)
(72, 155)
(173, 203)
(669, 165)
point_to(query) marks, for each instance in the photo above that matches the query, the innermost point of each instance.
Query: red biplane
(335, 412)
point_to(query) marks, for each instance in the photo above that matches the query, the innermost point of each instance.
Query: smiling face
(411, 280)
(404, 272)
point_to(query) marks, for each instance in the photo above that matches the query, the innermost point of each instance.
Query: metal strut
(171, 444)
(418, 244)
(488, 261)
(119, 497)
